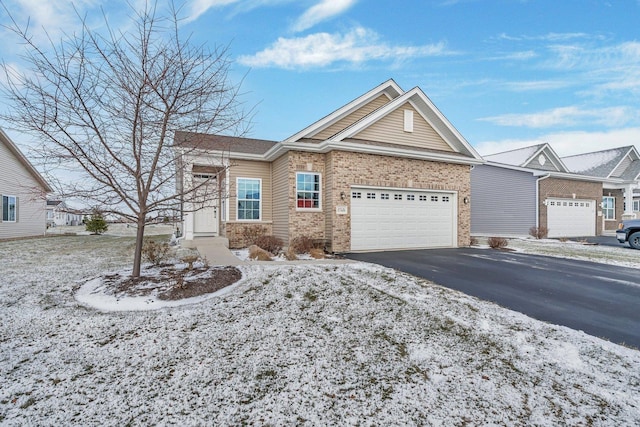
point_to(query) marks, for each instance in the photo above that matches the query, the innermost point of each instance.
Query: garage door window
(308, 190)
(609, 207)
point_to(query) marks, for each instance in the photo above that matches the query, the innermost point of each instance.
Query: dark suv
(629, 231)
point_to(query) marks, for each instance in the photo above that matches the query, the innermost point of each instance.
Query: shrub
(271, 244)
(497, 242)
(257, 253)
(96, 224)
(302, 244)
(252, 232)
(189, 260)
(155, 252)
(473, 241)
(539, 232)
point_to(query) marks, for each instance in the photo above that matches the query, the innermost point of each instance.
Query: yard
(320, 344)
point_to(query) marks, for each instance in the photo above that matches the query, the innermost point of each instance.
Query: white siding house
(22, 194)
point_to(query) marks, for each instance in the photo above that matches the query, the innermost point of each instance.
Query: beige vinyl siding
(250, 169)
(281, 198)
(390, 129)
(16, 180)
(624, 164)
(352, 118)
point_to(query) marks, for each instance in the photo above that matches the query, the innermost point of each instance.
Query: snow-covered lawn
(349, 344)
(622, 256)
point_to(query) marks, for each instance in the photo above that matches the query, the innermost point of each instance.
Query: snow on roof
(599, 163)
(514, 157)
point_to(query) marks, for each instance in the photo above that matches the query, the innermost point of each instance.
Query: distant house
(23, 193)
(582, 195)
(58, 213)
(385, 171)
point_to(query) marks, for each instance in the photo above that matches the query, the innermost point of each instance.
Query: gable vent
(408, 121)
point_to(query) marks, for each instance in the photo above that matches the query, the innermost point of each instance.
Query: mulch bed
(170, 283)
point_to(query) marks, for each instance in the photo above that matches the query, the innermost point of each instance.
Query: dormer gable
(540, 156)
(410, 120)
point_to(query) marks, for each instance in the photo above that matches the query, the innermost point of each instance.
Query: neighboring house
(620, 170)
(22, 194)
(533, 187)
(385, 171)
(58, 213)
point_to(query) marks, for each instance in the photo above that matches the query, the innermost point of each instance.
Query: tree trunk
(137, 256)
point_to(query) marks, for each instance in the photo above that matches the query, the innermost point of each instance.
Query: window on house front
(609, 207)
(636, 205)
(308, 190)
(249, 199)
(9, 208)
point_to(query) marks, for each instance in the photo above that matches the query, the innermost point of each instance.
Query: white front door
(206, 219)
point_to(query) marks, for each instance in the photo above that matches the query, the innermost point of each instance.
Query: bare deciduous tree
(106, 105)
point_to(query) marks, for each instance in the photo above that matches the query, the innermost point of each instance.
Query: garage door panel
(398, 219)
(571, 217)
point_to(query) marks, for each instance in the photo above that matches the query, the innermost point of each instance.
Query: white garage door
(402, 219)
(571, 217)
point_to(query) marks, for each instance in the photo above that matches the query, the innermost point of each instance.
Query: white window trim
(15, 207)
(608, 209)
(636, 205)
(319, 208)
(259, 200)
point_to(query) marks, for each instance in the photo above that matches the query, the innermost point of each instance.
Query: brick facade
(240, 233)
(347, 169)
(339, 171)
(569, 189)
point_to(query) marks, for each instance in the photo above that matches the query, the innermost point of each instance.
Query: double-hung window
(609, 207)
(308, 190)
(9, 208)
(249, 199)
(636, 205)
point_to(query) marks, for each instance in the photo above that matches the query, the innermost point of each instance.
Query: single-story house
(58, 214)
(571, 196)
(619, 169)
(22, 193)
(385, 171)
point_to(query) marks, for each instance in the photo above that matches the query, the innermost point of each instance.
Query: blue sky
(506, 73)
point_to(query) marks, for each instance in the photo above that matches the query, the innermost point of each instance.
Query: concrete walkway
(216, 251)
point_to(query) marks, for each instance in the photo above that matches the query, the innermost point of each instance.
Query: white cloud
(197, 8)
(320, 12)
(568, 143)
(321, 49)
(566, 116)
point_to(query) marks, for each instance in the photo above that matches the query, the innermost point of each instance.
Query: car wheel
(634, 240)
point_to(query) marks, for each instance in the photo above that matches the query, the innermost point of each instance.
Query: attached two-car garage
(402, 219)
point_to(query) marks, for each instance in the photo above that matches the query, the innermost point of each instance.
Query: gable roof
(339, 130)
(233, 144)
(425, 107)
(24, 161)
(389, 88)
(534, 157)
(604, 163)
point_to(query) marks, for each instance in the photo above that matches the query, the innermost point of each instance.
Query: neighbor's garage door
(571, 217)
(401, 219)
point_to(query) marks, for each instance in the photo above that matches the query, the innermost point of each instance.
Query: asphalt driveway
(599, 299)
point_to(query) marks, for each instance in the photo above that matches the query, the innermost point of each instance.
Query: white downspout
(538, 198)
